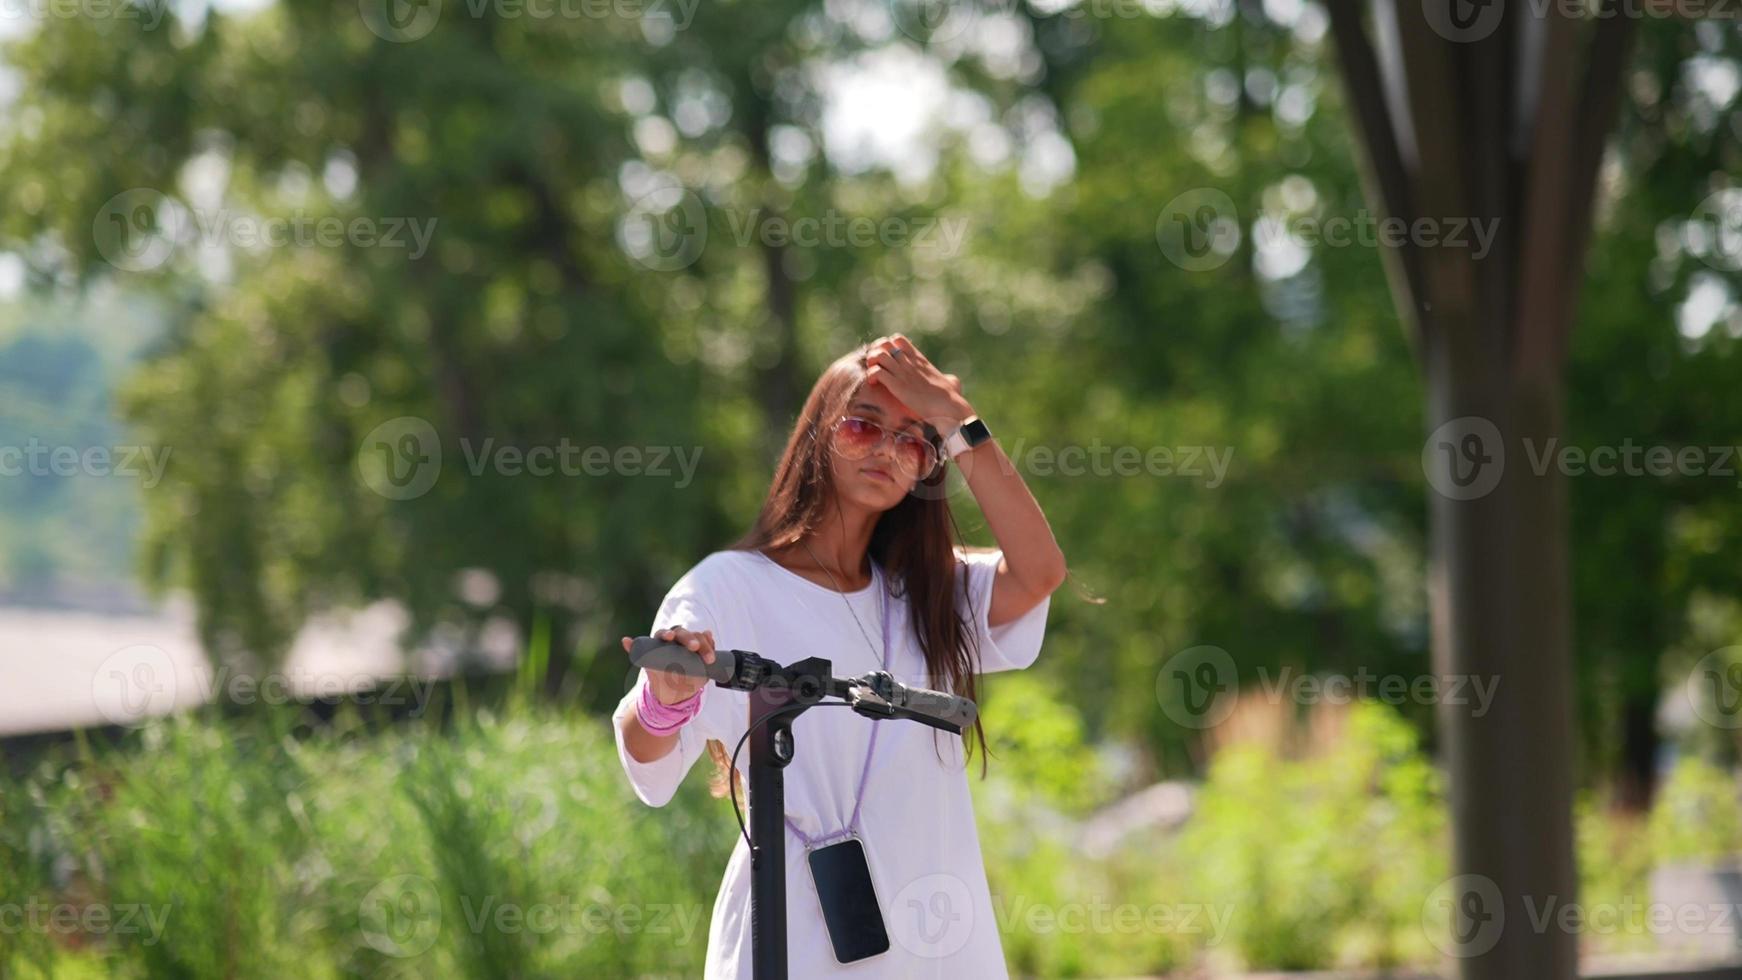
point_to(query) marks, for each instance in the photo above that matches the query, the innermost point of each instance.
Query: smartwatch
(971, 433)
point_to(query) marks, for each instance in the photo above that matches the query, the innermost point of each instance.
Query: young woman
(854, 549)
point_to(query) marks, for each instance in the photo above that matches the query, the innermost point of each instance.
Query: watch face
(975, 432)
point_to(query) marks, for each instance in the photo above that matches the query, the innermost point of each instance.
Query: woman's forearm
(641, 744)
(1034, 566)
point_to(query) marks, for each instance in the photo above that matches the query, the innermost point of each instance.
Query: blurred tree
(523, 326)
(604, 199)
(602, 269)
(1650, 365)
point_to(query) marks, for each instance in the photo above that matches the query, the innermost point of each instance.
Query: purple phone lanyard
(852, 828)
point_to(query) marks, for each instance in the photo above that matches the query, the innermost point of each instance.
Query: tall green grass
(506, 844)
(506, 847)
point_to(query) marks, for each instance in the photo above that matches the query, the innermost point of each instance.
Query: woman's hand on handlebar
(671, 688)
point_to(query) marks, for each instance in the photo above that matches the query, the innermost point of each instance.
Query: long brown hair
(914, 542)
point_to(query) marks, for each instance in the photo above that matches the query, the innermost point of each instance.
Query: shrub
(501, 848)
(1324, 860)
(1698, 815)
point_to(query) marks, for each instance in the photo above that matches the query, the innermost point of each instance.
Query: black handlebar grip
(936, 704)
(948, 708)
(653, 653)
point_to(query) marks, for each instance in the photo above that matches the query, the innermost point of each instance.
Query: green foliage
(1276, 840)
(1698, 814)
(1284, 864)
(511, 846)
(1037, 742)
(1058, 913)
(24, 868)
(503, 848)
(1615, 861)
(193, 831)
(529, 321)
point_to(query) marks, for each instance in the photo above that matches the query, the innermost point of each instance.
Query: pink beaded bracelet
(660, 718)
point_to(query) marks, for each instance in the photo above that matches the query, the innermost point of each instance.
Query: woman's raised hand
(671, 688)
(930, 394)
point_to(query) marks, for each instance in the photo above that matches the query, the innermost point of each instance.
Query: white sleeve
(1013, 645)
(723, 712)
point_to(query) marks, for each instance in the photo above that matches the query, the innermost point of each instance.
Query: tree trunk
(1500, 614)
(1636, 775)
(1503, 125)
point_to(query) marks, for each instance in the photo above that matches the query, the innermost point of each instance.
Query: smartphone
(849, 900)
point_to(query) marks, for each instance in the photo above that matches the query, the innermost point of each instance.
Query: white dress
(917, 819)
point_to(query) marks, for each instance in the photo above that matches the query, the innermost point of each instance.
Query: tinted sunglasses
(857, 438)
